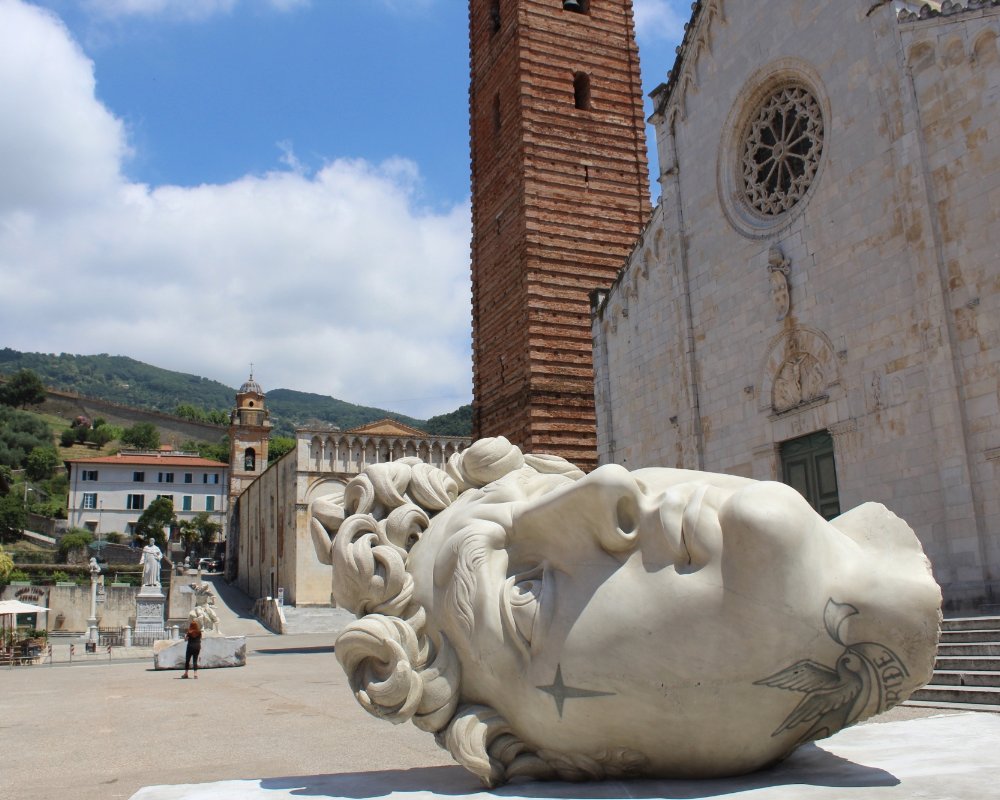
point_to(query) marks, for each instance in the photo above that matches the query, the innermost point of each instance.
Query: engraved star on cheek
(561, 692)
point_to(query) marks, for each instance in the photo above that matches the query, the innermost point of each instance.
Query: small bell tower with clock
(249, 432)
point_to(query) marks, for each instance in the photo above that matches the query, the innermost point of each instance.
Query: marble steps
(980, 695)
(963, 677)
(970, 635)
(316, 619)
(967, 669)
(953, 624)
(946, 649)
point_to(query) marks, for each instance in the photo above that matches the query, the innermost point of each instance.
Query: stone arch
(330, 454)
(410, 450)
(647, 261)
(984, 49)
(315, 453)
(436, 458)
(920, 56)
(424, 452)
(659, 245)
(319, 487)
(953, 52)
(344, 454)
(805, 349)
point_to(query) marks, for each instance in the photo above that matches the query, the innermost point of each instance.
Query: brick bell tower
(249, 436)
(560, 193)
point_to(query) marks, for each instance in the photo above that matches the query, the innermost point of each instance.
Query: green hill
(123, 380)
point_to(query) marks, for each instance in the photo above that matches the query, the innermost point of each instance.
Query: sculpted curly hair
(396, 669)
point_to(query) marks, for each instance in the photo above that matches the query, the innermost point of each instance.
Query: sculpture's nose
(607, 508)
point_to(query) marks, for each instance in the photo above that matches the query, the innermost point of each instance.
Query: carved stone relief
(799, 368)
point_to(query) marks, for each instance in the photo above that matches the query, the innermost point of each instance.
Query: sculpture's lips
(684, 525)
(690, 527)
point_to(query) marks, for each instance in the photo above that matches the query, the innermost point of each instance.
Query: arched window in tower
(249, 460)
(494, 16)
(581, 90)
(496, 113)
(578, 6)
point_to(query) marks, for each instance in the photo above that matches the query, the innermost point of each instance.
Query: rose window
(781, 150)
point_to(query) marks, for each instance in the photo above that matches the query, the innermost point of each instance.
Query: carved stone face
(691, 617)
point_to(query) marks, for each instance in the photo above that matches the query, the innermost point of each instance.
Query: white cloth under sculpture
(544, 623)
(150, 561)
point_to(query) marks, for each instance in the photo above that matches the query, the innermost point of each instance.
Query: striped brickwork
(560, 195)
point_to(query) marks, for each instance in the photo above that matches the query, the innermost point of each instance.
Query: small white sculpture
(95, 568)
(662, 622)
(150, 561)
(204, 612)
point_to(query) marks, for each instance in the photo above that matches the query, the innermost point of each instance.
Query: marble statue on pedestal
(150, 562)
(544, 623)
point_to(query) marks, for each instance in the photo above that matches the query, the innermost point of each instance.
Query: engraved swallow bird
(866, 681)
(830, 694)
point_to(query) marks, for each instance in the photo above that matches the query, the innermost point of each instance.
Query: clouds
(660, 20)
(338, 282)
(182, 10)
(58, 146)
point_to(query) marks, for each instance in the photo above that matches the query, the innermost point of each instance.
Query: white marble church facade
(816, 298)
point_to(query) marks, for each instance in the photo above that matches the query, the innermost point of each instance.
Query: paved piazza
(286, 726)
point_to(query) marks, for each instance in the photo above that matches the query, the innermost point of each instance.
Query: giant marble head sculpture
(544, 623)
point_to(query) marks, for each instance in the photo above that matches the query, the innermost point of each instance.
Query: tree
(101, 436)
(22, 389)
(142, 435)
(73, 543)
(199, 533)
(20, 433)
(13, 517)
(277, 446)
(6, 564)
(41, 463)
(155, 520)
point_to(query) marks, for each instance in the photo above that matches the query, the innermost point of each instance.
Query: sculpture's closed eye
(522, 595)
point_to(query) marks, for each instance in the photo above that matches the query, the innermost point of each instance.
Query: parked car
(208, 565)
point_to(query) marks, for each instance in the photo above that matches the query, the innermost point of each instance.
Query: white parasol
(11, 608)
(18, 607)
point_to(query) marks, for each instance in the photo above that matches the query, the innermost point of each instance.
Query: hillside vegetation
(123, 380)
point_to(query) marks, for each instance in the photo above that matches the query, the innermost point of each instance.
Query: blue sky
(202, 184)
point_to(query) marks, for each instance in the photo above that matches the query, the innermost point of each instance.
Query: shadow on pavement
(809, 765)
(280, 651)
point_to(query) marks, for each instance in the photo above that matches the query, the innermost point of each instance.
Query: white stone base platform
(946, 758)
(216, 651)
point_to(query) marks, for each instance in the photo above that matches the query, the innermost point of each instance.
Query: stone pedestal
(150, 605)
(216, 651)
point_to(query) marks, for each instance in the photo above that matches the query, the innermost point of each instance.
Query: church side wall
(893, 363)
(954, 65)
